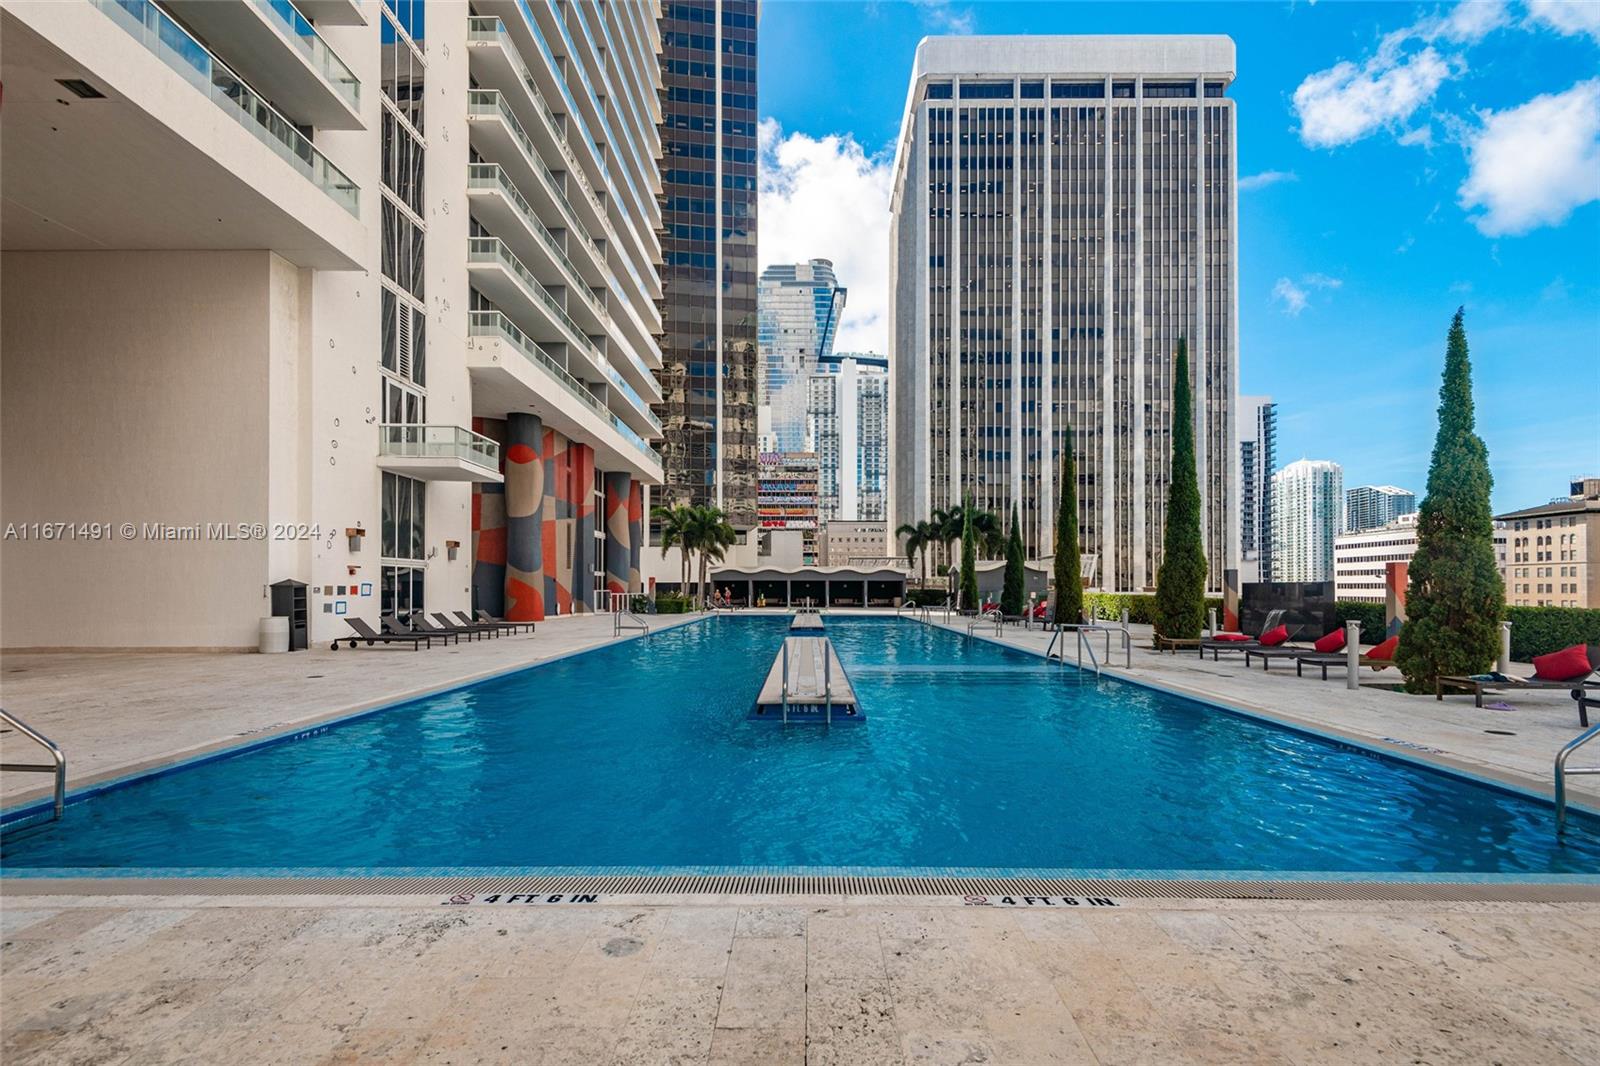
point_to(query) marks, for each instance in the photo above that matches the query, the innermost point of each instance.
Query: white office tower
(356, 298)
(1375, 506)
(1063, 213)
(847, 416)
(1258, 456)
(1307, 514)
(798, 307)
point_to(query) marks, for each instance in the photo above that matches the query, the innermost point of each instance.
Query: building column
(489, 535)
(619, 530)
(635, 534)
(581, 495)
(524, 512)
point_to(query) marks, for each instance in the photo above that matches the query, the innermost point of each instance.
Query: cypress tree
(1456, 596)
(1014, 592)
(1069, 583)
(969, 560)
(1181, 582)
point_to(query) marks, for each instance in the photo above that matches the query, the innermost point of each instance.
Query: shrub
(1141, 606)
(673, 603)
(928, 597)
(1541, 630)
(1370, 615)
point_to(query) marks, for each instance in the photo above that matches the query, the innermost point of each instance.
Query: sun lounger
(419, 621)
(393, 624)
(366, 633)
(1324, 660)
(485, 616)
(1160, 643)
(500, 627)
(446, 622)
(1221, 642)
(1281, 651)
(1503, 683)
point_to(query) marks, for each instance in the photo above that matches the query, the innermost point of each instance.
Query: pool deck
(121, 979)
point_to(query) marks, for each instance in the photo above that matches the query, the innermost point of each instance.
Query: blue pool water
(973, 756)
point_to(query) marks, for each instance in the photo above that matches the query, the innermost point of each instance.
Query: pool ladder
(57, 765)
(1563, 771)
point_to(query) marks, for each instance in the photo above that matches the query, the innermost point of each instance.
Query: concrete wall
(135, 389)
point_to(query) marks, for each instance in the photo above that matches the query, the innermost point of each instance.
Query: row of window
(682, 150)
(734, 19)
(1089, 90)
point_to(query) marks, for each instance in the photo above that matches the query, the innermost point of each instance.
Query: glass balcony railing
(495, 324)
(169, 42)
(323, 59)
(407, 441)
(488, 103)
(490, 28)
(494, 250)
(492, 176)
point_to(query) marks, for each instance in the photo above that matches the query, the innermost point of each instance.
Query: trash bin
(274, 635)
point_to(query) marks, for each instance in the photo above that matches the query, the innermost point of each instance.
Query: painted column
(583, 518)
(489, 531)
(553, 524)
(524, 502)
(619, 530)
(635, 533)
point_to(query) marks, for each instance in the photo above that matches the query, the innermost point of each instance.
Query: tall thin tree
(969, 561)
(1180, 609)
(1456, 596)
(1014, 591)
(1069, 582)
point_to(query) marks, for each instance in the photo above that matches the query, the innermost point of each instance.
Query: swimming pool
(639, 756)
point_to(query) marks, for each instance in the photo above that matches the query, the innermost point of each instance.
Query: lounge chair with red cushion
(1379, 657)
(1328, 644)
(1564, 669)
(1273, 633)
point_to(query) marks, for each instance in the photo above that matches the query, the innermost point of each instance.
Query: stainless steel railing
(57, 766)
(1563, 770)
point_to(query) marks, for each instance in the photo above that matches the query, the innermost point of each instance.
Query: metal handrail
(1562, 770)
(58, 766)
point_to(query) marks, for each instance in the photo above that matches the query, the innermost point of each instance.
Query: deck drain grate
(829, 885)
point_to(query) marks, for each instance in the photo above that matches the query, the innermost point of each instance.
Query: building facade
(1307, 509)
(1063, 214)
(842, 543)
(1258, 458)
(375, 283)
(847, 425)
(1555, 550)
(1375, 506)
(788, 498)
(708, 273)
(800, 307)
(1361, 557)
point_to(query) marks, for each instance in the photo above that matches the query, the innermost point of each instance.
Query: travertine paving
(209, 981)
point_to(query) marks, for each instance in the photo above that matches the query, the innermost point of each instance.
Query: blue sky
(1452, 159)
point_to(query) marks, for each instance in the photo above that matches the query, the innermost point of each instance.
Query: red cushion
(1568, 664)
(1332, 642)
(1385, 650)
(1229, 636)
(1273, 637)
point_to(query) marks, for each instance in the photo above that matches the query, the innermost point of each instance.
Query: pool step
(818, 689)
(806, 620)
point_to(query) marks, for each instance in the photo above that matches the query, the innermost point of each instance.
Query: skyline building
(1063, 213)
(1307, 512)
(1375, 506)
(708, 248)
(800, 305)
(394, 305)
(1361, 557)
(847, 425)
(1555, 550)
(1258, 458)
(788, 498)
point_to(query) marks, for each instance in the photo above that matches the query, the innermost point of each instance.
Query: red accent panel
(492, 545)
(521, 453)
(635, 502)
(523, 603)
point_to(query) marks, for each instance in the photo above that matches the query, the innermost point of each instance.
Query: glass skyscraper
(708, 247)
(1063, 213)
(801, 304)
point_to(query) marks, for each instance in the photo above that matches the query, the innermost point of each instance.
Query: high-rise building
(1361, 557)
(788, 497)
(847, 423)
(1375, 506)
(800, 307)
(708, 250)
(1258, 458)
(1555, 550)
(1063, 214)
(373, 282)
(1307, 509)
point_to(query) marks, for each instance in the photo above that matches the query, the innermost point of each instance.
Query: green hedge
(1370, 615)
(672, 603)
(931, 597)
(1541, 630)
(1141, 606)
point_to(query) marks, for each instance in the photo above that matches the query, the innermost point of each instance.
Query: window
(402, 590)
(986, 90)
(1079, 90)
(939, 90)
(404, 511)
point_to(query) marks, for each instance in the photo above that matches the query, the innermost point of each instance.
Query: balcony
(501, 276)
(283, 55)
(334, 12)
(177, 49)
(512, 372)
(438, 453)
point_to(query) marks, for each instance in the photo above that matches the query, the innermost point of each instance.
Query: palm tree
(711, 535)
(919, 539)
(987, 532)
(676, 528)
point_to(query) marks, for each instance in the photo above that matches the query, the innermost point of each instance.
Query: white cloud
(828, 198)
(1349, 100)
(1569, 17)
(1296, 297)
(1265, 178)
(1293, 297)
(943, 17)
(1533, 165)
